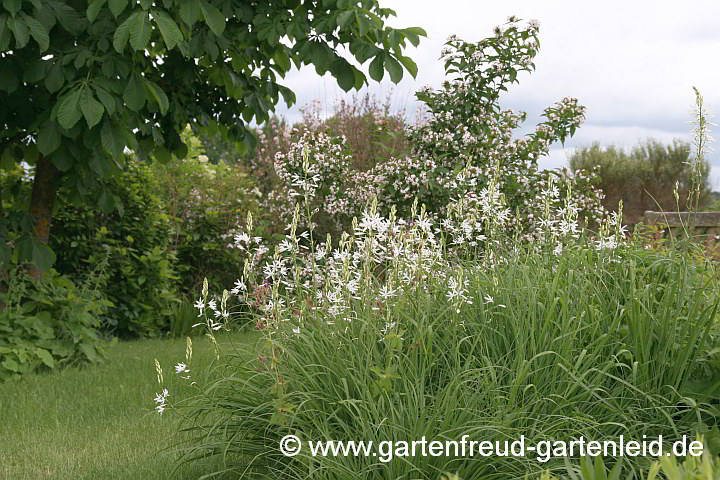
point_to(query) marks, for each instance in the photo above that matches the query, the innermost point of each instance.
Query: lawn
(97, 422)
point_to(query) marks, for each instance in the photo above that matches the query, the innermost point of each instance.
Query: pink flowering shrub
(466, 144)
(468, 138)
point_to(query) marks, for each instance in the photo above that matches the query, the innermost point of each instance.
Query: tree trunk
(42, 199)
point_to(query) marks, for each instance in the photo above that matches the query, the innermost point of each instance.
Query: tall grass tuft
(550, 347)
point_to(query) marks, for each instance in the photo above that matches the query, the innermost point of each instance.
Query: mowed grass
(97, 422)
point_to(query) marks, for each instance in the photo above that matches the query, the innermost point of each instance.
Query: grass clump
(550, 347)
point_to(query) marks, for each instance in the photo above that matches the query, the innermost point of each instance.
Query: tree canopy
(81, 82)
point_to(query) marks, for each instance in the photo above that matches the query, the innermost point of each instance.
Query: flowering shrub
(359, 134)
(468, 139)
(466, 144)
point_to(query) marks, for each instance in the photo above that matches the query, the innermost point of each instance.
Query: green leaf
(63, 161)
(106, 99)
(92, 110)
(344, 73)
(122, 34)
(168, 28)
(94, 8)
(36, 71)
(213, 17)
(140, 30)
(344, 18)
(45, 356)
(38, 32)
(48, 139)
(71, 20)
(190, 11)
(158, 95)
(12, 6)
(394, 68)
(112, 138)
(363, 23)
(377, 71)
(101, 165)
(55, 78)
(69, 108)
(117, 6)
(89, 351)
(282, 60)
(134, 94)
(409, 65)
(21, 31)
(42, 256)
(416, 31)
(10, 364)
(4, 32)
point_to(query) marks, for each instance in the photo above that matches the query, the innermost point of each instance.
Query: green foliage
(643, 178)
(106, 75)
(205, 203)
(551, 347)
(141, 277)
(48, 323)
(184, 316)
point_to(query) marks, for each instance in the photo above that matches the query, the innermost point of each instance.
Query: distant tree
(644, 178)
(82, 81)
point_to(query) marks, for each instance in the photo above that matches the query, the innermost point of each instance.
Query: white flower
(386, 292)
(388, 327)
(161, 400)
(200, 305)
(242, 238)
(239, 287)
(181, 368)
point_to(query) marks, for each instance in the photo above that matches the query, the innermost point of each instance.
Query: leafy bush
(49, 322)
(644, 178)
(141, 276)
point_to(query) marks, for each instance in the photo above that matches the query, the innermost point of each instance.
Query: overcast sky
(632, 64)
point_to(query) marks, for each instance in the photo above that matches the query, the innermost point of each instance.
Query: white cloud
(631, 63)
